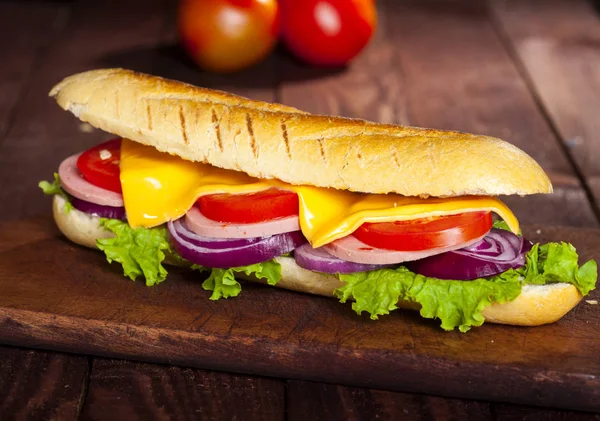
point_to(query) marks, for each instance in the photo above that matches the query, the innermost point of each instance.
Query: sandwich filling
(443, 253)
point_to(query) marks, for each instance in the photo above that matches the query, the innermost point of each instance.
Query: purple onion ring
(320, 260)
(102, 211)
(497, 252)
(265, 249)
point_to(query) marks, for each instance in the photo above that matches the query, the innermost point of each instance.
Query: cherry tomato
(100, 165)
(426, 233)
(327, 32)
(249, 208)
(228, 35)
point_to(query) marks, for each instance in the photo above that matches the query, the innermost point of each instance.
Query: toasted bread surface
(275, 141)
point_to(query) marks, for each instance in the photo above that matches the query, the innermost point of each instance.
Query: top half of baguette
(275, 141)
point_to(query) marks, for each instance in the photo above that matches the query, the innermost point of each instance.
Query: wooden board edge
(390, 371)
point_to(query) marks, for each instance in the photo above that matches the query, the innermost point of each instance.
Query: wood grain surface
(139, 391)
(558, 46)
(504, 412)
(80, 304)
(32, 30)
(37, 385)
(322, 402)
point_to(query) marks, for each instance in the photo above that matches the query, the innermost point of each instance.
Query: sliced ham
(201, 225)
(352, 249)
(73, 183)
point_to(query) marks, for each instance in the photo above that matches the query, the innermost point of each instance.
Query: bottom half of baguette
(537, 304)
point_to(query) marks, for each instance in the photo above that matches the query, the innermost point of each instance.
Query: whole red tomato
(228, 35)
(327, 32)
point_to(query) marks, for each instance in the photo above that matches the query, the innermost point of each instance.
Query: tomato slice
(100, 165)
(249, 208)
(426, 233)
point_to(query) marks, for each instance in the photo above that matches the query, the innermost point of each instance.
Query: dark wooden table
(524, 70)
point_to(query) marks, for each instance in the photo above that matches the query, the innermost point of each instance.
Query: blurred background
(527, 71)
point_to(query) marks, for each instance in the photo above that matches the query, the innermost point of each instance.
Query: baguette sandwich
(383, 216)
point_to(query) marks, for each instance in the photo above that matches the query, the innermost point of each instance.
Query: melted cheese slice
(158, 187)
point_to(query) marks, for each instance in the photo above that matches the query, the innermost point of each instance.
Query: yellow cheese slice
(158, 187)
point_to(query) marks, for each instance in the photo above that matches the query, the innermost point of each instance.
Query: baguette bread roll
(274, 141)
(537, 304)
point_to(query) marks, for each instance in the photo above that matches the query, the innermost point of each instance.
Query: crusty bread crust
(274, 141)
(537, 304)
(79, 227)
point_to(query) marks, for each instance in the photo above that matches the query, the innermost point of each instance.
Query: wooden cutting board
(59, 296)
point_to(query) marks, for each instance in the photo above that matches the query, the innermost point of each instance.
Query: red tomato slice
(249, 208)
(100, 165)
(426, 233)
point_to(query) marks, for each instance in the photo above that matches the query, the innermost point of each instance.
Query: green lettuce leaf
(460, 303)
(53, 188)
(271, 271)
(558, 262)
(500, 224)
(455, 303)
(141, 251)
(223, 284)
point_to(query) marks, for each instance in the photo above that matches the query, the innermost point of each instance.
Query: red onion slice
(110, 212)
(319, 260)
(260, 251)
(497, 252)
(501, 245)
